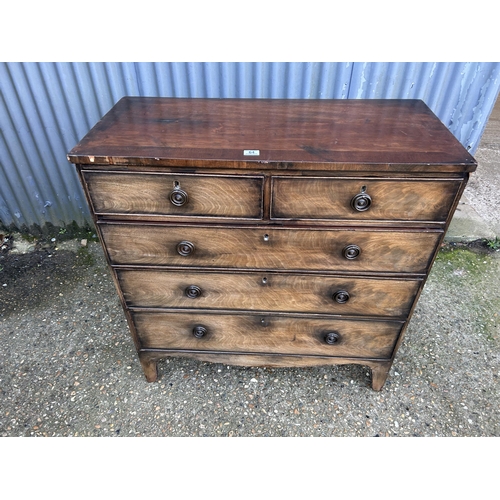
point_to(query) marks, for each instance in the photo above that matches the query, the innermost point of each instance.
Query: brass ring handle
(199, 331)
(192, 291)
(332, 338)
(362, 201)
(341, 296)
(351, 252)
(178, 197)
(185, 248)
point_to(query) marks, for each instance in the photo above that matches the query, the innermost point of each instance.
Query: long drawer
(308, 249)
(268, 291)
(363, 198)
(175, 194)
(270, 334)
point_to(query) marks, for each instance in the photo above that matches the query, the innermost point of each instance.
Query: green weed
(494, 244)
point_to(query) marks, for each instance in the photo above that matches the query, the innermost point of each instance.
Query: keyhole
(264, 280)
(266, 237)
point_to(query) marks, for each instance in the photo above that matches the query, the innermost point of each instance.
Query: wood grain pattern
(149, 358)
(208, 195)
(289, 133)
(258, 359)
(268, 291)
(391, 199)
(149, 367)
(263, 242)
(293, 249)
(272, 334)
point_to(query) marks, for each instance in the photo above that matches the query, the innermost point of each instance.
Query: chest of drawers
(270, 232)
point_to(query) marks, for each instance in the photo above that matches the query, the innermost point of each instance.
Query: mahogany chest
(267, 232)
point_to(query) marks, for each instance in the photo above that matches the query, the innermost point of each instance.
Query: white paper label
(251, 152)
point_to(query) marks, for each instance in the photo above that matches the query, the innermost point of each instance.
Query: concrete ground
(68, 366)
(478, 213)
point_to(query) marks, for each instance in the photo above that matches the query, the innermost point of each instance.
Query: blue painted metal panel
(461, 94)
(46, 108)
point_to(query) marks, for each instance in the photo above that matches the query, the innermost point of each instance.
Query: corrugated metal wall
(46, 108)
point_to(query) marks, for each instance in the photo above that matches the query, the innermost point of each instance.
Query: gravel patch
(68, 366)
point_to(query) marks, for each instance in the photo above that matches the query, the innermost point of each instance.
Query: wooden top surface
(288, 133)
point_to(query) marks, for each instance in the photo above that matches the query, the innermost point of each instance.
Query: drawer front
(362, 199)
(268, 291)
(271, 248)
(266, 334)
(175, 194)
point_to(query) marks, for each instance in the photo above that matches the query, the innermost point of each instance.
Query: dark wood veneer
(267, 334)
(313, 251)
(157, 131)
(271, 247)
(121, 193)
(268, 292)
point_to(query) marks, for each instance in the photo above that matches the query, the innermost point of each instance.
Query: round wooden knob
(351, 252)
(341, 297)
(199, 331)
(361, 202)
(332, 338)
(178, 197)
(193, 291)
(185, 248)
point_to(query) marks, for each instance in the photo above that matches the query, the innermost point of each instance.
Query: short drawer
(367, 199)
(260, 291)
(270, 248)
(266, 334)
(116, 193)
